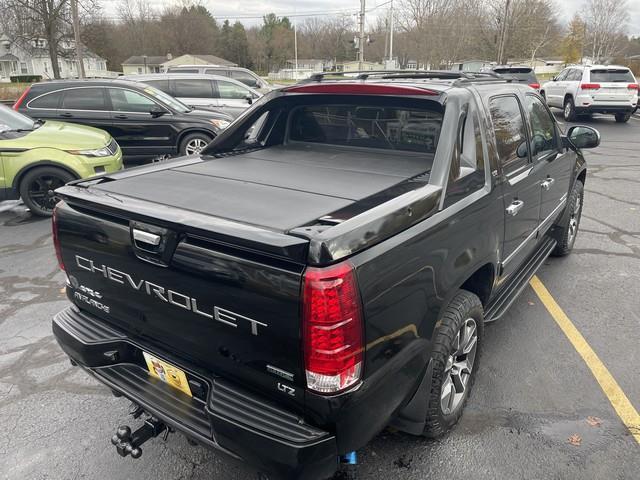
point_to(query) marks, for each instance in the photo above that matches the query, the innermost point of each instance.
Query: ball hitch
(129, 443)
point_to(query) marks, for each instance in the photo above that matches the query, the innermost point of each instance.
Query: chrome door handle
(548, 183)
(515, 207)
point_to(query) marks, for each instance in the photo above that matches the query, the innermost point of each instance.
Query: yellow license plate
(167, 373)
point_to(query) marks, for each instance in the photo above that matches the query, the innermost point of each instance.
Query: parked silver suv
(587, 89)
(244, 75)
(215, 92)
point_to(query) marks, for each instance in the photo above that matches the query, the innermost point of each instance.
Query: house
(310, 64)
(140, 64)
(31, 57)
(354, 66)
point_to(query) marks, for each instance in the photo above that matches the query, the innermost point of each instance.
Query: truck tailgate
(230, 310)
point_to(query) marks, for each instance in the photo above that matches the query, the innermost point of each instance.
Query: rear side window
(389, 128)
(244, 77)
(159, 84)
(509, 127)
(217, 71)
(130, 101)
(84, 99)
(610, 75)
(193, 88)
(49, 100)
(575, 75)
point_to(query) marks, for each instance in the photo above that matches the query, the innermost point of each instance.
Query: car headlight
(98, 152)
(221, 124)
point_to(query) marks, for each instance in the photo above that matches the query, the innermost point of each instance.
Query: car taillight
(56, 240)
(16, 105)
(590, 86)
(633, 86)
(332, 328)
(535, 86)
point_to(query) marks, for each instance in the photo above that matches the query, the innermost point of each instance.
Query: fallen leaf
(575, 440)
(594, 421)
(531, 303)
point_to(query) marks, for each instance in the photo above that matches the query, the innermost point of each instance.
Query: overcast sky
(242, 9)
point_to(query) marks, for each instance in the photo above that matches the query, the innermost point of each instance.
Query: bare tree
(606, 22)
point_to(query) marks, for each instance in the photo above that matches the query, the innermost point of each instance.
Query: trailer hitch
(128, 443)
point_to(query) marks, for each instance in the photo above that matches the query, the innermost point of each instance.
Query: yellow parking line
(621, 404)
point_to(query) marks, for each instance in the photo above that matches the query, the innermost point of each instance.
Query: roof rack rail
(455, 75)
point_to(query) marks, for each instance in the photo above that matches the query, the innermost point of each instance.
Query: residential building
(310, 64)
(23, 57)
(355, 66)
(141, 64)
(472, 65)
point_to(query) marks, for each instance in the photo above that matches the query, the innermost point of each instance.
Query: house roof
(306, 60)
(151, 60)
(7, 57)
(213, 60)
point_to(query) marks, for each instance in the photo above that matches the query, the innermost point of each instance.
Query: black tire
(623, 117)
(465, 306)
(37, 185)
(566, 233)
(194, 141)
(544, 96)
(569, 111)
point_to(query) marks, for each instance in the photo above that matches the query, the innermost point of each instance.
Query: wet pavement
(532, 394)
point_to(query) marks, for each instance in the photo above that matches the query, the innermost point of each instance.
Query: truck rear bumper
(220, 415)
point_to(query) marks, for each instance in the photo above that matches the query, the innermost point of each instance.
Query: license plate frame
(167, 373)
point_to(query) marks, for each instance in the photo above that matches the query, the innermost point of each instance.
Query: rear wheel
(194, 143)
(569, 110)
(623, 117)
(456, 351)
(568, 231)
(37, 188)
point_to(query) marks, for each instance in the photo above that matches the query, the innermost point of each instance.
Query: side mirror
(157, 111)
(249, 99)
(522, 150)
(554, 79)
(582, 136)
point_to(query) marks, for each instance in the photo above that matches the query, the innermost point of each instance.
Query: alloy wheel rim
(42, 191)
(573, 220)
(459, 366)
(567, 110)
(195, 146)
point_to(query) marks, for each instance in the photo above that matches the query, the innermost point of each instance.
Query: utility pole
(503, 33)
(76, 34)
(361, 37)
(391, 32)
(295, 45)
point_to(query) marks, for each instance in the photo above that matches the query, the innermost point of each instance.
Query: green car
(37, 157)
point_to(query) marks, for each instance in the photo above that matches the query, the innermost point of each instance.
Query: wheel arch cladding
(44, 163)
(481, 282)
(582, 176)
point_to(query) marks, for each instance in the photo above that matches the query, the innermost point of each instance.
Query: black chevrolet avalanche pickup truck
(323, 269)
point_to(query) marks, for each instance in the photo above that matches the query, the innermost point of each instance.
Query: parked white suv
(587, 89)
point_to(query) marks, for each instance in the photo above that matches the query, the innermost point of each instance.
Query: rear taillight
(633, 86)
(535, 86)
(16, 105)
(56, 240)
(590, 86)
(332, 328)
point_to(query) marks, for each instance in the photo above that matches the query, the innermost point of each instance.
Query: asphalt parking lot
(533, 393)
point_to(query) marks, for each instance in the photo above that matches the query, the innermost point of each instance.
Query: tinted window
(217, 71)
(622, 76)
(244, 77)
(543, 127)
(511, 137)
(130, 101)
(192, 88)
(50, 100)
(84, 99)
(159, 84)
(368, 126)
(231, 90)
(524, 75)
(574, 75)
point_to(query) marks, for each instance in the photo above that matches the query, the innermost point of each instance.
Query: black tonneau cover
(277, 188)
